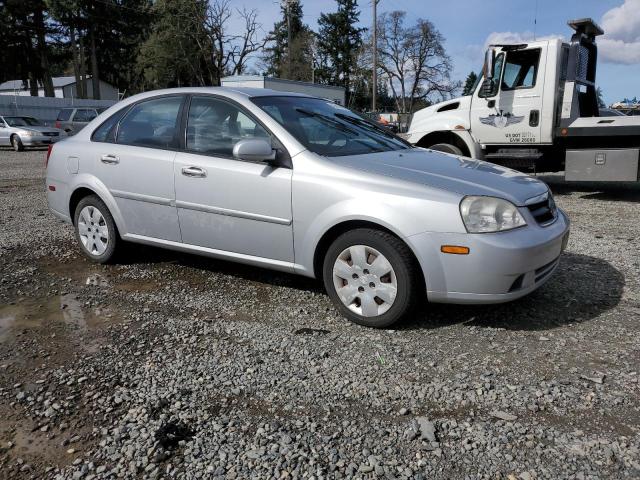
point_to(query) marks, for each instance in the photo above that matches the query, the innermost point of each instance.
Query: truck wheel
(447, 148)
(96, 231)
(372, 277)
(16, 143)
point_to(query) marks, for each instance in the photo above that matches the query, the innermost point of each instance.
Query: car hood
(38, 128)
(462, 175)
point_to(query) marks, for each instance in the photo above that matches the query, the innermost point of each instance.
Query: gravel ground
(174, 366)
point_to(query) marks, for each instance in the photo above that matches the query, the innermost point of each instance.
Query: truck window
(521, 69)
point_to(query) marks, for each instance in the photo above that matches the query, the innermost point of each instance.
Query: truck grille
(544, 212)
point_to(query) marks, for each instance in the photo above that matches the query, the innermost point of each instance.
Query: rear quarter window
(106, 131)
(64, 114)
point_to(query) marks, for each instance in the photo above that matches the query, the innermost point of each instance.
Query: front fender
(402, 216)
(334, 215)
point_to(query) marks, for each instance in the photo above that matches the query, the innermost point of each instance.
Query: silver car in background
(302, 185)
(20, 131)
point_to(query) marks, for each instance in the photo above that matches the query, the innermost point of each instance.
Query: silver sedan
(22, 131)
(302, 185)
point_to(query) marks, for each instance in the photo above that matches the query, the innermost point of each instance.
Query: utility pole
(375, 56)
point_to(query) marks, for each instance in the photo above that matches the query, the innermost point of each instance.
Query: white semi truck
(535, 108)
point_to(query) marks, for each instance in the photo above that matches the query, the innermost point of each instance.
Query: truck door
(511, 113)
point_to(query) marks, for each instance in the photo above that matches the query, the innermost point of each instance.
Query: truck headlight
(489, 214)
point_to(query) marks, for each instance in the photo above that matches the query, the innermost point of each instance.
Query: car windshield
(22, 121)
(329, 129)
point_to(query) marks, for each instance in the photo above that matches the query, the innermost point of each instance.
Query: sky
(469, 25)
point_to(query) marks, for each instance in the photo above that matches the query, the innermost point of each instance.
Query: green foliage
(339, 40)
(178, 50)
(295, 62)
(469, 83)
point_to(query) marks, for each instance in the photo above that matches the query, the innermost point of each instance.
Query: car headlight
(28, 133)
(489, 214)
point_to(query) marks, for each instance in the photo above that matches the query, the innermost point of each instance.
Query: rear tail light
(49, 150)
(57, 124)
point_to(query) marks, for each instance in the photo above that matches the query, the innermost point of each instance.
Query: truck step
(514, 153)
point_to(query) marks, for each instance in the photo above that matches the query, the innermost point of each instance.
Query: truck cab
(535, 108)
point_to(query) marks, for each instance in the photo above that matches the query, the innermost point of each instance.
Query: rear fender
(84, 180)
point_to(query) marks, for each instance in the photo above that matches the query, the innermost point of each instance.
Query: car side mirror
(254, 150)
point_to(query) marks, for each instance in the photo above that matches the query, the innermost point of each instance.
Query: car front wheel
(96, 231)
(372, 277)
(16, 143)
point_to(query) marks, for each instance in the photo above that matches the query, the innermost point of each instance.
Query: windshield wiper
(328, 120)
(366, 123)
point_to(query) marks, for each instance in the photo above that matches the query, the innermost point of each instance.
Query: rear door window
(84, 115)
(152, 123)
(64, 114)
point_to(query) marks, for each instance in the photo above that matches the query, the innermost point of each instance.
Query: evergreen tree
(469, 83)
(289, 61)
(178, 50)
(338, 42)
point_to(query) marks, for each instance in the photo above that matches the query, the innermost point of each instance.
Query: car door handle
(109, 159)
(194, 172)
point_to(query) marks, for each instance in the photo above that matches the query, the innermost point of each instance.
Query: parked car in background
(23, 131)
(72, 120)
(300, 184)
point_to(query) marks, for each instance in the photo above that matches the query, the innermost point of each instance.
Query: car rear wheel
(446, 148)
(16, 143)
(96, 231)
(372, 277)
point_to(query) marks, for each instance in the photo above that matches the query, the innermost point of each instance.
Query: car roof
(237, 93)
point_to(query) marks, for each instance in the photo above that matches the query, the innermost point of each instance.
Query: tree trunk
(33, 83)
(47, 82)
(95, 78)
(83, 70)
(76, 67)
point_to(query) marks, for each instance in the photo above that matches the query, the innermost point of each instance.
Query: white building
(63, 87)
(335, 94)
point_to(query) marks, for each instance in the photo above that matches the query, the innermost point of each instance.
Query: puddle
(50, 313)
(82, 272)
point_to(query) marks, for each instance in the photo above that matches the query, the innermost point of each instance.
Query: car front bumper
(499, 267)
(39, 140)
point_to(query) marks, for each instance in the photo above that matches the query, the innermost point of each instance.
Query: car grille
(50, 134)
(544, 212)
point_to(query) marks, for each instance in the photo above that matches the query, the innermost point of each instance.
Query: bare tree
(414, 60)
(231, 52)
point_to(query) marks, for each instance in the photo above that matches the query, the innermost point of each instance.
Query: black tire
(113, 240)
(447, 148)
(16, 143)
(410, 283)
